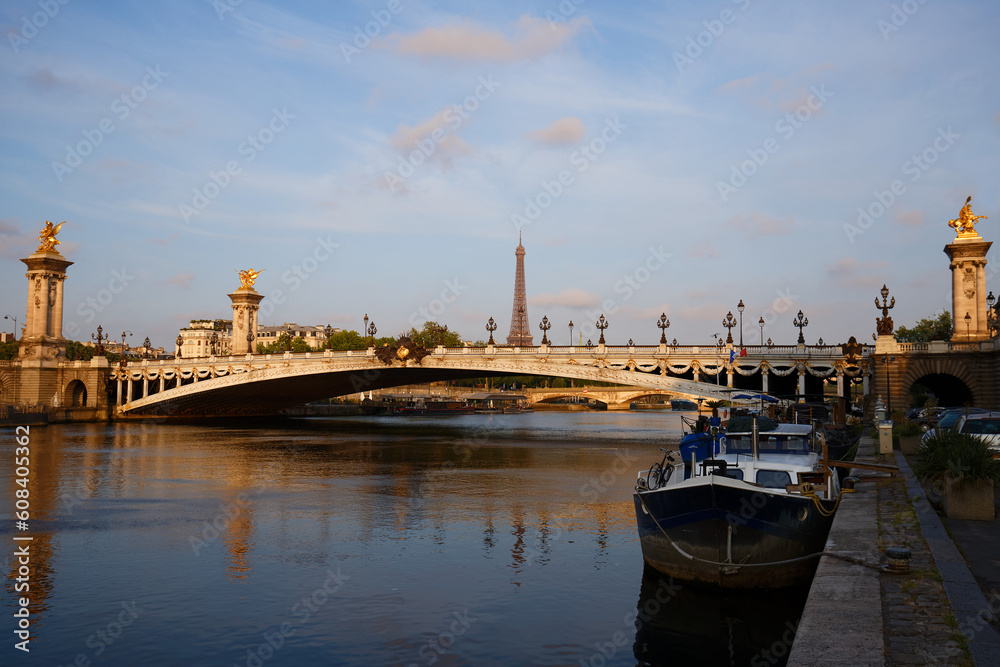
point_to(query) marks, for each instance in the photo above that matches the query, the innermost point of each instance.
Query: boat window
(768, 443)
(734, 473)
(773, 479)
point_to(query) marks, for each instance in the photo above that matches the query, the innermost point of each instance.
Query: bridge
(255, 384)
(962, 370)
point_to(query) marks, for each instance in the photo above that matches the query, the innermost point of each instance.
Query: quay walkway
(939, 613)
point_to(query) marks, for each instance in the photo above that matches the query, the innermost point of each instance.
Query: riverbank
(859, 613)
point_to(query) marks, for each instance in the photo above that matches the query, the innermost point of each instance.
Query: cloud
(571, 298)
(565, 131)
(756, 224)
(437, 132)
(533, 37)
(182, 280)
(912, 218)
(706, 249)
(849, 272)
(737, 84)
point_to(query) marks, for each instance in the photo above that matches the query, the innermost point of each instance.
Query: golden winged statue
(47, 238)
(248, 277)
(965, 223)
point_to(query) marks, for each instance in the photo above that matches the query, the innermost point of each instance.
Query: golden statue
(965, 223)
(47, 239)
(248, 277)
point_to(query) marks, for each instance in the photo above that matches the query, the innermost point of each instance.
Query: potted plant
(909, 436)
(962, 468)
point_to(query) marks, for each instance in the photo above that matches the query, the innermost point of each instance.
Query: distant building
(197, 339)
(7, 338)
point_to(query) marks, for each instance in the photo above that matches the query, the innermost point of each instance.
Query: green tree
(76, 351)
(927, 329)
(8, 351)
(432, 334)
(347, 340)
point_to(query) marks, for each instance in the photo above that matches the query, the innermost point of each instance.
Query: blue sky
(657, 157)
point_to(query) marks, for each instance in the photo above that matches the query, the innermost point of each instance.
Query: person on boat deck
(702, 424)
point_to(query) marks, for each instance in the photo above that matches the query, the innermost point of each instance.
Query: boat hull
(740, 536)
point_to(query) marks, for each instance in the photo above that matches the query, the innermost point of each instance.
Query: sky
(383, 157)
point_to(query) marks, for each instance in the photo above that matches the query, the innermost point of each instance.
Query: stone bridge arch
(942, 366)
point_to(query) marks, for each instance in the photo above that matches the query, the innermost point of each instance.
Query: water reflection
(219, 531)
(685, 624)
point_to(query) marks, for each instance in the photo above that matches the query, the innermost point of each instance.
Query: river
(464, 540)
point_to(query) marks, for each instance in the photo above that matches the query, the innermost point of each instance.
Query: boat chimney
(753, 436)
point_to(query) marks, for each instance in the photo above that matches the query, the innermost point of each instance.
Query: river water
(464, 540)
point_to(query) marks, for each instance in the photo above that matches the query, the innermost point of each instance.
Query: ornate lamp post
(729, 322)
(179, 341)
(213, 343)
(250, 342)
(146, 345)
(674, 344)
(760, 323)
(663, 323)
(124, 359)
(329, 332)
(800, 322)
(884, 324)
(571, 333)
(545, 325)
(371, 332)
(740, 308)
(101, 339)
(491, 326)
(968, 321)
(992, 321)
(601, 324)
(364, 330)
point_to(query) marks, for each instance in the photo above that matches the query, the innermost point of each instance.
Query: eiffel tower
(520, 331)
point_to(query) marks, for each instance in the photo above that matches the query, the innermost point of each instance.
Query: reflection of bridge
(263, 384)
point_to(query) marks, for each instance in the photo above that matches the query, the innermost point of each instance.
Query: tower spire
(520, 331)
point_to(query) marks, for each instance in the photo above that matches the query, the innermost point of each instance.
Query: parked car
(949, 419)
(984, 425)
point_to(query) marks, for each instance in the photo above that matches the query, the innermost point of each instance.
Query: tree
(8, 351)
(927, 329)
(78, 351)
(347, 340)
(433, 334)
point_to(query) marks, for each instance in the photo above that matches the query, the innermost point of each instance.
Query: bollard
(899, 560)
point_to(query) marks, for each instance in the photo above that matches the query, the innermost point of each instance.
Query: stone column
(246, 304)
(968, 287)
(43, 326)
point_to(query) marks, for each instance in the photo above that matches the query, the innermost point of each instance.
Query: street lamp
(740, 308)
(146, 345)
(491, 326)
(8, 317)
(992, 321)
(214, 343)
(545, 325)
(249, 342)
(761, 323)
(800, 322)
(729, 322)
(371, 332)
(100, 338)
(663, 323)
(179, 341)
(124, 360)
(329, 333)
(968, 320)
(601, 324)
(364, 330)
(571, 333)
